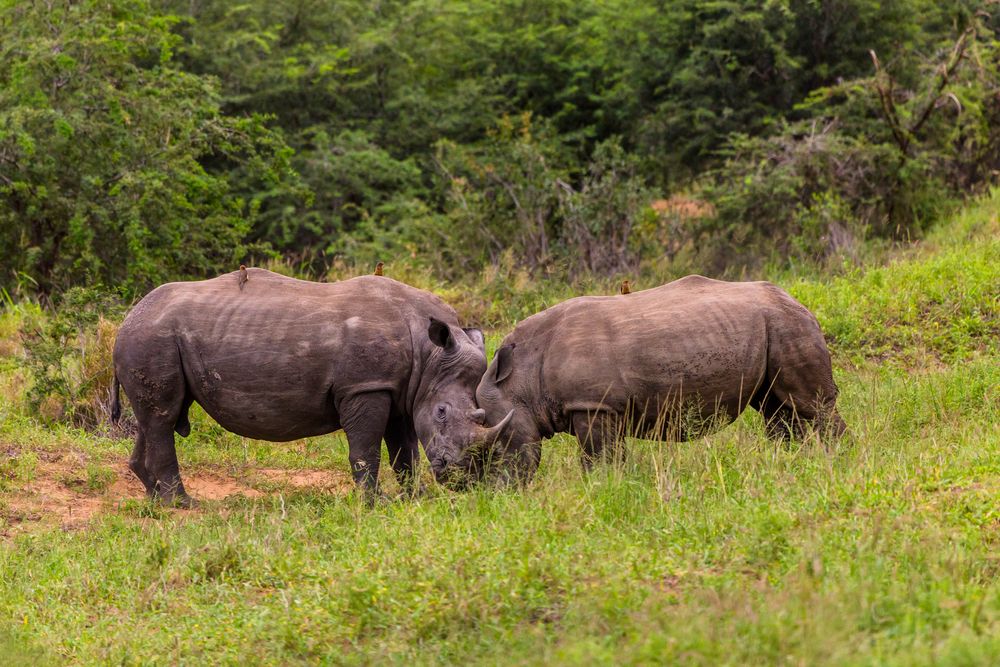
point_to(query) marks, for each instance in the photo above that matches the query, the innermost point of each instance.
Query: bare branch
(888, 105)
(945, 73)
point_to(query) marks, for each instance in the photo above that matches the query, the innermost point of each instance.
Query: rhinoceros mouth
(455, 478)
(462, 472)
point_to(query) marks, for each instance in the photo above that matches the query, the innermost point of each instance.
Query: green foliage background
(727, 550)
(148, 140)
(509, 155)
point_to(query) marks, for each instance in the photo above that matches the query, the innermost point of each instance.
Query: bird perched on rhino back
(378, 268)
(243, 276)
(626, 288)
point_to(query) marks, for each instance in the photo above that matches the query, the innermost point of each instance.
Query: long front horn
(492, 434)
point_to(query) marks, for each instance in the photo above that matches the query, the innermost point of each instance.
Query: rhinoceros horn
(486, 436)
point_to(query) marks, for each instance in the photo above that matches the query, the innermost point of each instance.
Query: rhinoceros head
(513, 446)
(446, 417)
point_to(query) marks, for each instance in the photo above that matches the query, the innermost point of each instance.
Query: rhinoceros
(275, 358)
(669, 363)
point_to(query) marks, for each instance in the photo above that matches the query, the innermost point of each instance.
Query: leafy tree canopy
(145, 140)
(104, 142)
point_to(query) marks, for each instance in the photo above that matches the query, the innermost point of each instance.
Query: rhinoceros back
(692, 337)
(271, 358)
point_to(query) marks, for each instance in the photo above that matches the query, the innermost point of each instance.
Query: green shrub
(870, 159)
(17, 467)
(99, 477)
(104, 143)
(68, 355)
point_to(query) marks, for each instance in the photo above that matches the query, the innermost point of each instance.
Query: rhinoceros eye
(440, 412)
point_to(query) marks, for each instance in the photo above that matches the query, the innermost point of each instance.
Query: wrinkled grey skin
(669, 363)
(280, 359)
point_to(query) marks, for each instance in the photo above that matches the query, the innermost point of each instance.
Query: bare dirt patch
(60, 493)
(214, 486)
(328, 480)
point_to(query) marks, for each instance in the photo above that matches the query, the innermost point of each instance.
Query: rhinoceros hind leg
(600, 437)
(784, 422)
(364, 418)
(161, 462)
(780, 420)
(830, 424)
(137, 463)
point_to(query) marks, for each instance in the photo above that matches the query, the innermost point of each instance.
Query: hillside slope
(726, 550)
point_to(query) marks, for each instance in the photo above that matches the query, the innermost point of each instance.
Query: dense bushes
(103, 152)
(142, 140)
(517, 196)
(68, 356)
(874, 158)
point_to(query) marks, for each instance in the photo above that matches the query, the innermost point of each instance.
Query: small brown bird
(378, 268)
(626, 288)
(243, 276)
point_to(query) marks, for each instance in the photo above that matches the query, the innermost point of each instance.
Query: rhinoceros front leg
(364, 418)
(401, 441)
(785, 420)
(600, 437)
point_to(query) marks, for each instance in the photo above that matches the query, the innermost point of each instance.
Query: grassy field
(726, 550)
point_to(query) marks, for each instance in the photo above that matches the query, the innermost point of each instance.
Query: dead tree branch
(905, 135)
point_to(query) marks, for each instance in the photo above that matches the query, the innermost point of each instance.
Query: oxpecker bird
(626, 288)
(378, 269)
(243, 276)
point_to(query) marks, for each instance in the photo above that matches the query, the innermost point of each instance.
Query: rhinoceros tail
(116, 403)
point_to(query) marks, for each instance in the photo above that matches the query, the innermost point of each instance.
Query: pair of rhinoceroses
(278, 359)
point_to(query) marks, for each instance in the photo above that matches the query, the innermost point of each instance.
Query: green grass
(947, 305)
(725, 550)
(729, 549)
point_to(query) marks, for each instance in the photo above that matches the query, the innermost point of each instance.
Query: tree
(601, 220)
(878, 156)
(103, 150)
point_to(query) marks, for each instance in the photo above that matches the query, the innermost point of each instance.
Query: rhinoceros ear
(476, 336)
(440, 334)
(504, 362)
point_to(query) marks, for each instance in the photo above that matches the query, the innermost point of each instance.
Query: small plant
(99, 477)
(69, 357)
(220, 561)
(17, 466)
(143, 509)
